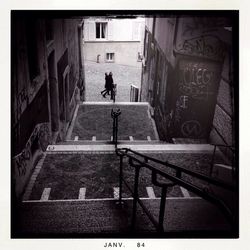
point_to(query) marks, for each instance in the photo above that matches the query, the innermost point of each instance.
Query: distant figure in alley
(109, 86)
(105, 91)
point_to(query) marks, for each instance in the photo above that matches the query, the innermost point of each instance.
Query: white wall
(118, 29)
(124, 38)
(125, 52)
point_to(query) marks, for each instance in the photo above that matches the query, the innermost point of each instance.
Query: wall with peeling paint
(38, 45)
(184, 77)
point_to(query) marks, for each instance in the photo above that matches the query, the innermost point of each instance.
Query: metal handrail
(114, 115)
(174, 180)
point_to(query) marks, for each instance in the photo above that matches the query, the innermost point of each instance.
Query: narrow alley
(155, 158)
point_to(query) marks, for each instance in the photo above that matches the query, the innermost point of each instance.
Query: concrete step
(189, 141)
(148, 146)
(110, 142)
(186, 217)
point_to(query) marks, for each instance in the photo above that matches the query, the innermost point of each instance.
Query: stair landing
(183, 217)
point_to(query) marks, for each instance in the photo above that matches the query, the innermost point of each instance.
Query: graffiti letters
(196, 80)
(22, 161)
(191, 128)
(205, 46)
(184, 101)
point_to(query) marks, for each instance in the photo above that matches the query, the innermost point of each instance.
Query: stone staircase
(74, 188)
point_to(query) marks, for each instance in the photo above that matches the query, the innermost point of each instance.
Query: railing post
(114, 128)
(113, 93)
(120, 180)
(137, 170)
(114, 115)
(212, 162)
(162, 208)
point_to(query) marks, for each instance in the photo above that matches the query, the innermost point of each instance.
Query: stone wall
(38, 45)
(185, 77)
(223, 122)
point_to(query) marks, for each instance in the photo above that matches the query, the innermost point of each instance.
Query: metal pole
(116, 130)
(162, 209)
(212, 162)
(120, 180)
(137, 169)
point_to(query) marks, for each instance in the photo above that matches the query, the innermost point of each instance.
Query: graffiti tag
(191, 128)
(183, 101)
(196, 80)
(205, 46)
(22, 160)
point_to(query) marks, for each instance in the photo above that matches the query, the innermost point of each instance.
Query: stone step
(108, 142)
(145, 147)
(65, 172)
(189, 141)
(113, 194)
(183, 217)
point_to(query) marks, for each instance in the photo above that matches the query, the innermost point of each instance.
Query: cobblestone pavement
(123, 76)
(95, 120)
(65, 174)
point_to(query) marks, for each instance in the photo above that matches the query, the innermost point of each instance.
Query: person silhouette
(105, 91)
(111, 85)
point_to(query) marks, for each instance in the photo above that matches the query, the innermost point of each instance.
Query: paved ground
(123, 76)
(183, 218)
(65, 174)
(95, 120)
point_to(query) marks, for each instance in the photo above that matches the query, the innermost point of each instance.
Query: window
(101, 30)
(110, 57)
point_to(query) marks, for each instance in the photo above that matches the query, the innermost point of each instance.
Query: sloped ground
(95, 120)
(65, 174)
(123, 76)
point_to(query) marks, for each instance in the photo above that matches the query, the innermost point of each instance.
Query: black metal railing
(115, 114)
(138, 161)
(232, 155)
(114, 92)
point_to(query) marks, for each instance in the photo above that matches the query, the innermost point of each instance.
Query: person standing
(105, 91)
(111, 85)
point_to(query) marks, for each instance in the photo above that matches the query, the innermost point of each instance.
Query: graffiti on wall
(22, 160)
(201, 36)
(195, 98)
(26, 95)
(196, 79)
(205, 46)
(191, 128)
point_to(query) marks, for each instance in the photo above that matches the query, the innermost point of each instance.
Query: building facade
(108, 40)
(47, 82)
(188, 78)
